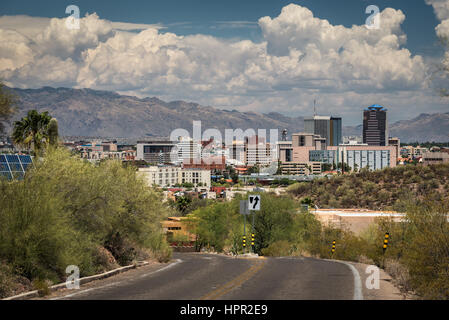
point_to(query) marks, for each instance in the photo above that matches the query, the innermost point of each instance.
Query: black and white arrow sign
(254, 203)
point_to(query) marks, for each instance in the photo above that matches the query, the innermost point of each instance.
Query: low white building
(169, 176)
(162, 176)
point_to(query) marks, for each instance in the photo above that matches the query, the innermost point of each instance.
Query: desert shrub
(306, 232)
(7, 280)
(399, 273)
(162, 252)
(427, 254)
(281, 248)
(104, 260)
(299, 188)
(42, 287)
(334, 203)
(383, 196)
(65, 208)
(121, 248)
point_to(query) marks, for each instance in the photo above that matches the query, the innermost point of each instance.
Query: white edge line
(115, 283)
(162, 269)
(358, 293)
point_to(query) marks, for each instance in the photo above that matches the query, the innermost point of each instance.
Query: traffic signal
(387, 238)
(252, 239)
(244, 241)
(334, 243)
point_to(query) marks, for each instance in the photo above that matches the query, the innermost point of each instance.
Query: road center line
(222, 290)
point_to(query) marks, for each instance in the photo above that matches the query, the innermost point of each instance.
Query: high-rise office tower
(375, 126)
(329, 128)
(336, 131)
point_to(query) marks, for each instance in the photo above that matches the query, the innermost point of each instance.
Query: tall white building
(188, 149)
(257, 151)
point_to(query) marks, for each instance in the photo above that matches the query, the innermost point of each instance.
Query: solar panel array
(13, 166)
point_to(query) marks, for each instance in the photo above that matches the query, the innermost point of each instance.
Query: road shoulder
(386, 291)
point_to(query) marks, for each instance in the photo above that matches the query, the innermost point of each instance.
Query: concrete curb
(35, 293)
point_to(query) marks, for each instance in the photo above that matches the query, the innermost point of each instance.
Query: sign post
(253, 205)
(387, 238)
(244, 211)
(254, 202)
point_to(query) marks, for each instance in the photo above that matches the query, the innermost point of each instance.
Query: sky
(262, 56)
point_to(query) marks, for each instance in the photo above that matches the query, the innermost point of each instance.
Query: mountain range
(94, 113)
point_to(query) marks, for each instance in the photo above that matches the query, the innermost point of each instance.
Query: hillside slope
(378, 190)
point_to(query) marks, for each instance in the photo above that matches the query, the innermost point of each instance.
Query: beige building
(195, 177)
(162, 176)
(435, 157)
(396, 142)
(298, 149)
(168, 176)
(300, 168)
(307, 148)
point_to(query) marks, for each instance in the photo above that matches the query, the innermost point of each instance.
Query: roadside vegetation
(378, 190)
(67, 211)
(417, 256)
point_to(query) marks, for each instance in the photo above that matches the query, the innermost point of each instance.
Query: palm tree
(36, 130)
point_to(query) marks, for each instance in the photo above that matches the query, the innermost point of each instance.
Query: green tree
(36, 131)
(253, 169)
(52, 132)
(218, 226)
(183, 203)
(274, 221)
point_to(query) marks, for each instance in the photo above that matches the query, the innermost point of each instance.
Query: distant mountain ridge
(87, 112)
(95, 113)
(424, 128)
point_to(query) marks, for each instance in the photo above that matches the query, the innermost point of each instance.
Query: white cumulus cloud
(301, 56)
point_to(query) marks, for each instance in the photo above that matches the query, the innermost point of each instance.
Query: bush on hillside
(65, 208)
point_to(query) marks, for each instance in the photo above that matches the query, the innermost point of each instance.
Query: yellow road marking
(221, 291)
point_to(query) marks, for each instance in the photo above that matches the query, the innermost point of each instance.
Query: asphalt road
(206, 277)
